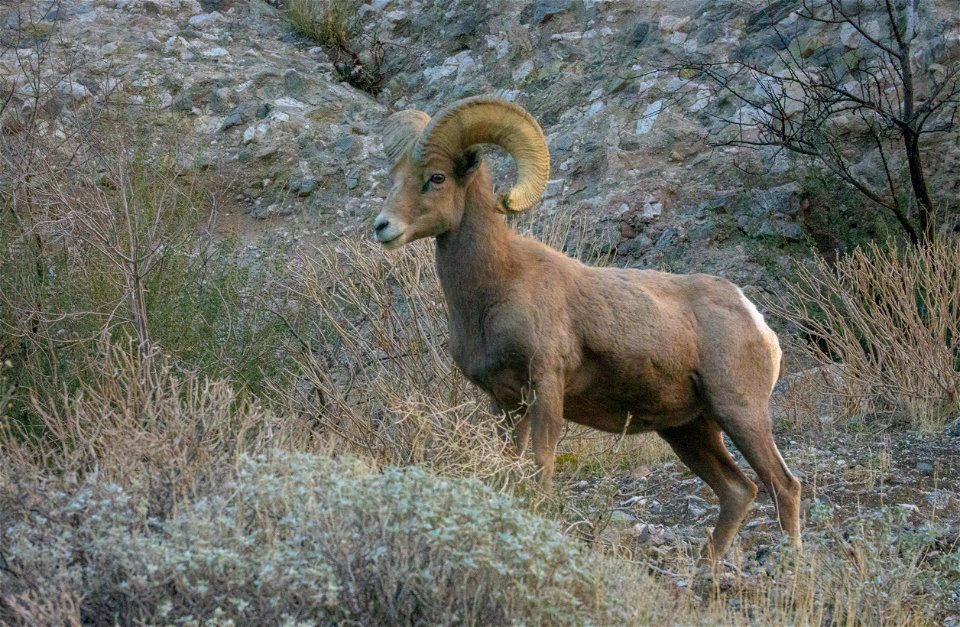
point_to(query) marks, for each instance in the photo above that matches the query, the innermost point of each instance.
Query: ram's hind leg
(752, 433)
(699, 445)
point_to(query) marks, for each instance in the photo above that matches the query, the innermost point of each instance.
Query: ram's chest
(471, 354)
(490, 356)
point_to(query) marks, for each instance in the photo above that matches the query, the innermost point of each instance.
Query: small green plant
(357, 56)
(839, 220)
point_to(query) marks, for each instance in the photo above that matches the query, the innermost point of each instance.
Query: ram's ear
(468, 163)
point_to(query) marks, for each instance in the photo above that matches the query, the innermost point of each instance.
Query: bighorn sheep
(620, 350)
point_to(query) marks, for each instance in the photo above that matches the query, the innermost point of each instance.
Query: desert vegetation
(194, 434)
(358, 56)
(349, 472)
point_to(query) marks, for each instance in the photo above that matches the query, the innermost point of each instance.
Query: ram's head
(434, 161)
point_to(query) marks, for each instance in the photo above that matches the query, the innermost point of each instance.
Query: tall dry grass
(139, 422)
(886, 319)
(180, 498)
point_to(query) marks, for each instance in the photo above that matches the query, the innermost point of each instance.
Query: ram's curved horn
(402, 129)
(490, 120)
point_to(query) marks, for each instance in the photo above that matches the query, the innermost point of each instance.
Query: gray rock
(703, 231)
(465, 26)
(714, 204)
(940, 499)
(267, 152)
(925, 468)
(953, 430)
(294, 82)
(205, 19)
(275, 210)
(638, 34)
(306, 186)
(778, 227)
(770, 15)
(345, 144)
(782, 200)
(708, 34)
(562, 142)
(666, 239)
(73, 90)
(672, 23)
(544, 10)
(241, 114)
(652, 210)
(353, 179)
(150, 7)
(216, 52)
(696, 506)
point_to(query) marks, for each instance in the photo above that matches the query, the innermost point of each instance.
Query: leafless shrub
(890, 317)
(880, 98)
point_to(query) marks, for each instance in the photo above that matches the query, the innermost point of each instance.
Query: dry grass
(160, 466)
(377, 376)
(141, 424)
(889, 316)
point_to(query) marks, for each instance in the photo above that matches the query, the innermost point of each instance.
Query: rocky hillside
(631, 129)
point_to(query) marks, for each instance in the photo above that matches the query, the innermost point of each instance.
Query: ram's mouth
(392, 241)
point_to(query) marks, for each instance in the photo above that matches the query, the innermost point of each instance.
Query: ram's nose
(387, 230)
(381, 224)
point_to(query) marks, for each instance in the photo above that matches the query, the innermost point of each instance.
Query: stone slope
(630, 140)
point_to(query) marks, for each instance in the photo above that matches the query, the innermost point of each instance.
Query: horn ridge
(492, 120)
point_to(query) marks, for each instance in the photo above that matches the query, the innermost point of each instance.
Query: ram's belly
(647, 396)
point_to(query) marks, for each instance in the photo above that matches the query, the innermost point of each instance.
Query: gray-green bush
(298, 537)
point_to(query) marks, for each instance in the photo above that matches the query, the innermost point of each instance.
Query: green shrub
(117, 248)
(838, 219)
(357, 57)
(298, 537)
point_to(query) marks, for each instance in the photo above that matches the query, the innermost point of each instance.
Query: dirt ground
(885, 483)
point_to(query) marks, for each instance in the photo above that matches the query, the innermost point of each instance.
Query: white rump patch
(773, 344)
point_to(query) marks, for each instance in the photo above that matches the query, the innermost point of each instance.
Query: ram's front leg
(546, 424)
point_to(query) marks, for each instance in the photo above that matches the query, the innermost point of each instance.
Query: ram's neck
(475, 259)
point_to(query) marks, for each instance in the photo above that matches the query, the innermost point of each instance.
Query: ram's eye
(437, 178)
